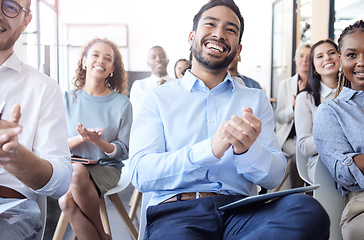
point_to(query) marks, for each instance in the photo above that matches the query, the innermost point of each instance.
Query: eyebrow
(350, 49)
(96, 51)
(217, 20)
(331, 49)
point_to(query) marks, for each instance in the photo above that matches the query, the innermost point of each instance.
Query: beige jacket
(284, 114)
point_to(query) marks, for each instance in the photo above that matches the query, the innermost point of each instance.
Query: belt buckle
(197, 195)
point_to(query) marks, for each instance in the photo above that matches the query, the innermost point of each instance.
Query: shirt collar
(156, 79)
(325, 90)
(190, 82)
(12, 62)
(347, 93)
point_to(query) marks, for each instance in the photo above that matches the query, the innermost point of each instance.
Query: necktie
(161, 81)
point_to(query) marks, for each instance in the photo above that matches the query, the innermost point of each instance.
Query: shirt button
(212, 120)
(212, 178)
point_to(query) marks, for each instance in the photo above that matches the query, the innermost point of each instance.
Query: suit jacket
(284, 114)
(249, 82)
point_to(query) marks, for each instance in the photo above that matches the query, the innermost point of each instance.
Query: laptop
(267, 197)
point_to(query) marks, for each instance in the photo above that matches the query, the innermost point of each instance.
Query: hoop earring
(111, 75)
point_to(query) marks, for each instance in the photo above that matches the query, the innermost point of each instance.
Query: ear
(191, 37)
(239, 51)
(27, 19)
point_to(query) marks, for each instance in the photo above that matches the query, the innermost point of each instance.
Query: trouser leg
(296, 216)
(352, 218)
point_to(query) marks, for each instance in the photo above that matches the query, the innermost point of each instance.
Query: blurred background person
(244, 80)
(158, 62)
(180, 67)
(284, 115)
(99, 120)
(322, 83)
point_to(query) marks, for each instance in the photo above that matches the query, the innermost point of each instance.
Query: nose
(158, 58)
(329, 56)
(100, 60)
(219, 33)
(305, 59)
(360, 61)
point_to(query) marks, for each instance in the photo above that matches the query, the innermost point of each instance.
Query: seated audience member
(99, 119)
(244, 80)
(180, 67)
(197, 158)
(322, 83)
(338, 132)
(158, 62)
(284, 114)
(34, 157)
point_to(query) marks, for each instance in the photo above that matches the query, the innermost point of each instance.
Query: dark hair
(117, 82)
(181, 60)
(357, 26)
(213, 3)
(313, 86)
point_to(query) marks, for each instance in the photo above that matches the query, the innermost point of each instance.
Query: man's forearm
(30, 169)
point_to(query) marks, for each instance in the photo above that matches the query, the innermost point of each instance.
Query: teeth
(361, 74)
(215, 47)
(328, 65)
(99, 68)
(2, 29)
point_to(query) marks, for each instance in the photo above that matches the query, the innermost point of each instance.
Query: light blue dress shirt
(170, 143)
(338, 134)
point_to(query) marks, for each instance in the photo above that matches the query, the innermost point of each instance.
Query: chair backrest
(42, 203)
(329, 197)
(301, 163)
(143, 214)
(124, 180)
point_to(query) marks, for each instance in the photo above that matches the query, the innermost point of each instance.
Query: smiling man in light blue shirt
(203, 141)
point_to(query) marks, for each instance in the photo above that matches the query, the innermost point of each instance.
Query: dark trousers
(296, 216)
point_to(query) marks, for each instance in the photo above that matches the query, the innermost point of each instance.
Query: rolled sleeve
(62, 172)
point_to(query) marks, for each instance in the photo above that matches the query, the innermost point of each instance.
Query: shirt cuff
(355, 171)
(251, 156)
(113, 153)
(201, 154)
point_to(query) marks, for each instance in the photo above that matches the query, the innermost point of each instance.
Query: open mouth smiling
(98, 68)
(2, 29)
(215, 47)
(359, 74)
(329, 65)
